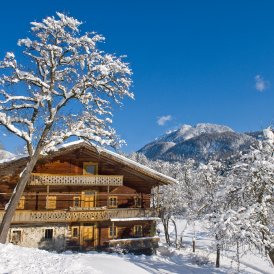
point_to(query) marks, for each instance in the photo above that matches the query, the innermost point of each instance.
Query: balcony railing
(60, 179)
(24, 216)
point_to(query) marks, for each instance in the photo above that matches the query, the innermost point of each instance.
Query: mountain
(5, 155)
(201, 142)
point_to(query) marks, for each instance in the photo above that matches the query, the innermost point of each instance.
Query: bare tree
(65, 87)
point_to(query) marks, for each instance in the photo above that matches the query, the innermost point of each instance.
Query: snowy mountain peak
(5, 155)
(186, 132)
(201, 142)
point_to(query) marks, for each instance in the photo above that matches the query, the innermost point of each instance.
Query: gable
(70, 158)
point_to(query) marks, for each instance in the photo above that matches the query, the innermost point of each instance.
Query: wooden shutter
(21, 204)
(51, 202)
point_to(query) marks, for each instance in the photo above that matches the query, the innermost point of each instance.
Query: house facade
(83, 198)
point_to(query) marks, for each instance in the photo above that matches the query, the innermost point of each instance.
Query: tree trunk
(194, 239)
(238, 256)
(218, 256)
(176, 233)
(271, 256)
(165, 224)
(16, 195)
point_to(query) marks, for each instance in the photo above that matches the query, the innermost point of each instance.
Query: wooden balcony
(75, 180)
(56, 216)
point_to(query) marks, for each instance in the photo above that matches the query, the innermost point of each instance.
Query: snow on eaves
(145, 168)
(116, 156)
(119, 157)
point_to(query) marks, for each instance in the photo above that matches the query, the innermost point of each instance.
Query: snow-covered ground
(250, 262)
(14, 259)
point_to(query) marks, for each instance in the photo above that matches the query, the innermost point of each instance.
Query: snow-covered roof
(122, 159)
(161, 178)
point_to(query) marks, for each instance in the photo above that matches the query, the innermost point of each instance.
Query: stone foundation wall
(35, 236)
(135, 244)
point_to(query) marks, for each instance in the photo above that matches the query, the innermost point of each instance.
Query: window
(21, 204)
(76, 201)
(90, 168)
(16, 236)
(75, 232)
(49, 234)
(112, 201)
(88, 199)
(51, 202)
(112, 232)
(138, 201)
(138, 230)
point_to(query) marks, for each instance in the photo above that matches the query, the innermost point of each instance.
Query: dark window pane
(16, 236)
(48, 234)
(75, 232)
(90, 169)
(76, 201)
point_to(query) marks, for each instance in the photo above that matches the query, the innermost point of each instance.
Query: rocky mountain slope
(201, 142)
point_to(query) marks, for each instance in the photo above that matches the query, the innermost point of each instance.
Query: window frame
(85, 164)
(110, 231)
(110, 204)
(45, 234)
(72, 232)
(91, 194)
(135, 230)
(52, 198)
(21, 235)
(138, 201)
(21, 204)
(79, 201)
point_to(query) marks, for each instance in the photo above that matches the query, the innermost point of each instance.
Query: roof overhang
(130, 164)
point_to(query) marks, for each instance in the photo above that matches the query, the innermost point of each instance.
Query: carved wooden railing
(24, 216)
(61, 179)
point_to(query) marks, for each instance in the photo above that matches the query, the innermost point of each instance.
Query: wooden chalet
(82, 197)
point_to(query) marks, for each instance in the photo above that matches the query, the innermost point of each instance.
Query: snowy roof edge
(130, 163)
(122, 158)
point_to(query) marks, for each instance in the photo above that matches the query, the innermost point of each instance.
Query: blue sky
(193, 61)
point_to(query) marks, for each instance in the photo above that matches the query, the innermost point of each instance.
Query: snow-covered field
(14, 259)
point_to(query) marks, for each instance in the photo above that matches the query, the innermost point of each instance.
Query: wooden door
(87, 237)
(88, 199)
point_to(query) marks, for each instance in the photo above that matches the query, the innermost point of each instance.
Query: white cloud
(163, 119)
(260, 83)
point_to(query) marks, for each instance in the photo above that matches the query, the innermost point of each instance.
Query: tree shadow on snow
(174, 264)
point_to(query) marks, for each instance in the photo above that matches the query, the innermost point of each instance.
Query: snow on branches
(235, 198)
(64, 88)
(249, 196)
